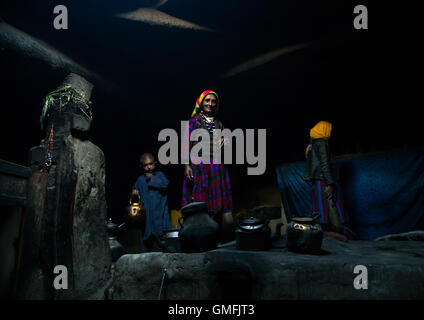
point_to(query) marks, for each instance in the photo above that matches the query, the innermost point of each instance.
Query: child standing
(152, 187)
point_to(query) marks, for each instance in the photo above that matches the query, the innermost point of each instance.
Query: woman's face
(209, 103)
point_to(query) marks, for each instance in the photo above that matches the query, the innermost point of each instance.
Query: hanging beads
(49, 154)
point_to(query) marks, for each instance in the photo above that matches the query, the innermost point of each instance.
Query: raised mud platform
(395, 271)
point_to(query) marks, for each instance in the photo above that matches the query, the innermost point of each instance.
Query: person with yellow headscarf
(321, 170)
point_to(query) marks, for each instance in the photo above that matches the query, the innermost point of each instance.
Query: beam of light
(155, 17)
(29, 46)
(262, 59)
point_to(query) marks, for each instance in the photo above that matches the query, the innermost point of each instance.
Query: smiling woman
(203, 182)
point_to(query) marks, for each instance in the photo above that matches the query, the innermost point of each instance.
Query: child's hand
(135, 193)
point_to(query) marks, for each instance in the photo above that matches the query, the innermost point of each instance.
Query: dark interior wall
(10, 223)
(359, 80)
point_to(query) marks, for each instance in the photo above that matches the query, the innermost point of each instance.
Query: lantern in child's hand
(136, 211)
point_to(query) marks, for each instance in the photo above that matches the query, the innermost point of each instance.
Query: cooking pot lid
(111, 225)
(252, 221)
(171, 233)
(194, 207)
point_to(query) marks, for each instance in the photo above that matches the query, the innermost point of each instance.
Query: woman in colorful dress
(204, 182)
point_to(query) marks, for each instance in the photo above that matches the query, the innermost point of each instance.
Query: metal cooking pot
(254, 234)
(170, 241)
(304, 234)
(136, 212)
(116, 248)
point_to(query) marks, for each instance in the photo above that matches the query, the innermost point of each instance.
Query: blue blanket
(384, 193)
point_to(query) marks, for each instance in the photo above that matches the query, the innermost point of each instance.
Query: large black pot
(304, 234)
(199, 232)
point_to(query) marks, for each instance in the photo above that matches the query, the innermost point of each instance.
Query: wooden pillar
(67, 205)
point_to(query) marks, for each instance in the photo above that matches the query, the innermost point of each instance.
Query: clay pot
(200, 231)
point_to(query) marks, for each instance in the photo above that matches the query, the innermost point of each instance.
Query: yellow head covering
(322, 130)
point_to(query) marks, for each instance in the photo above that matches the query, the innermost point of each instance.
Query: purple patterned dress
(211, 182)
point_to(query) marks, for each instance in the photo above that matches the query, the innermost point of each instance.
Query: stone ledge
(395, 271)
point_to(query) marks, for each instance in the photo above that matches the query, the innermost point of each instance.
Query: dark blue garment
(153, 195)
(384, 193)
